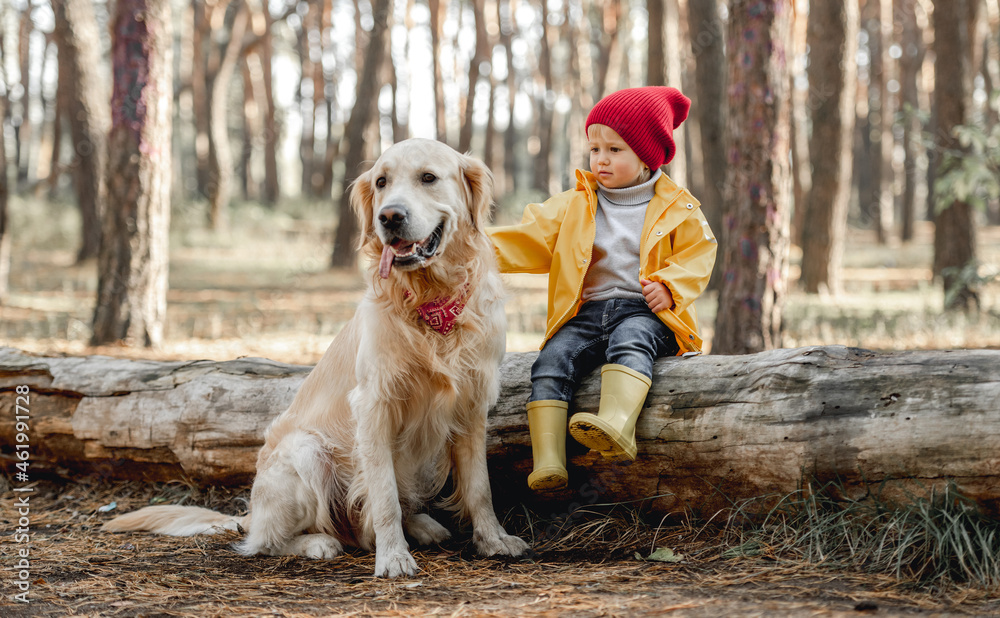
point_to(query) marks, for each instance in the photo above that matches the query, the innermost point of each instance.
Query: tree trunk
(656, 69)
(481, 55)
(221, 168)
(306, 96)
(202, 53)
(4, 191)
(714, 429)
(877, 203)
(708, 47)
(251, 128)
(832, 36)
(758, 181)
(954, 229)
(490, 131)
(491, 16)
(46, 157)
(801, 164)
(271, 190)
(678, 168)
(611, 13)
(61, 105)
(23, 127)
(345, 244)
(132, 264)
(78, 40)
(909, 67)
(510, 142)
(397, 115)
(575, 149)
(990, 70)
(544, 109)
(323, 100)
(4, 180)
(972, 42)
(438, 9)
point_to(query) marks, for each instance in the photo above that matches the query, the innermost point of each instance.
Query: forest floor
(77, 570)
(264, 290)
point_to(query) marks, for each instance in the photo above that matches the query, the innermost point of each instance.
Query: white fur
(393, 406)
(176, 521)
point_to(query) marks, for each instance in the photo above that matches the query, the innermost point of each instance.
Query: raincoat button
(690, 206)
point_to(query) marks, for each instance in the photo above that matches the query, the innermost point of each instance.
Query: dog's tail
(175, 520)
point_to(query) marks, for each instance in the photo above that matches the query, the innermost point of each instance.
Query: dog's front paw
(394, 563)
(499, 543)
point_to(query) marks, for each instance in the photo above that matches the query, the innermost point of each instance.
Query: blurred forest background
(174, 170)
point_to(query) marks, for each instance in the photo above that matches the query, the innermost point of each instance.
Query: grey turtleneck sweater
(614, 267)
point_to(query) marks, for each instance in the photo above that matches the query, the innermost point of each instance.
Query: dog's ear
(361, 202)
(479, 180)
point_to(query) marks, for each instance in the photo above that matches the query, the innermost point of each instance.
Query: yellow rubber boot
(612, 430)
(547, 426)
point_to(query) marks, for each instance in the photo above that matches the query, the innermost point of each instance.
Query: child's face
(611, 160)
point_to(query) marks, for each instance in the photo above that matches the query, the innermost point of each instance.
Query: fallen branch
(715, 429)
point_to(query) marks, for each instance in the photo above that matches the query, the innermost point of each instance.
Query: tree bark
(832, 36)
(203, 53)
(46, 162)
(607, 42)
(308, 49)
(132, 264)
(801, 164)
(271, 189)
(490, 130)
(708, 47)
(510, 142)
(714, 429)
(755, 241)
(909, 67)
(23, 127)
(656, 69)
(345, 244)
(481, 55)
(252, 127)
(4, 191)
(954, 229)
(438, 10)
(578, 90)
(544, 109)
(59, 109)
(877, 202)
(78, 40)
(678, 168)
(398, 114)
(221, 168)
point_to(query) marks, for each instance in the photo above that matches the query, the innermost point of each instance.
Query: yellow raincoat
(677, 248)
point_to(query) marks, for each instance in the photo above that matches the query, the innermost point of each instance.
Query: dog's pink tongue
(385, 264)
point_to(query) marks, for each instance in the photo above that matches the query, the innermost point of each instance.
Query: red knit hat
(645, 118)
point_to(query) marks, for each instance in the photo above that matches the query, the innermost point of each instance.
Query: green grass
(939, 538)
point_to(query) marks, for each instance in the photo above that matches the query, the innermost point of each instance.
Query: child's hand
(657, 295)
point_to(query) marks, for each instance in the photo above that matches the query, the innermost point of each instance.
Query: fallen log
(715, 429)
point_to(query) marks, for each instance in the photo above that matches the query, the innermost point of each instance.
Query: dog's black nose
(393, 216)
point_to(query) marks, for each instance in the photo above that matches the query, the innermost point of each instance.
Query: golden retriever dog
(399, 400)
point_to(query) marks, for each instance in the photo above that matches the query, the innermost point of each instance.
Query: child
(627, 252)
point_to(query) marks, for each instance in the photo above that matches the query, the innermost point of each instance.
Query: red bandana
(440, 314)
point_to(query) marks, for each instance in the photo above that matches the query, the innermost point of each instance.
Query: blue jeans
(620, 331)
